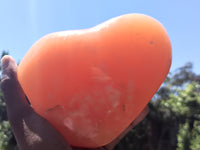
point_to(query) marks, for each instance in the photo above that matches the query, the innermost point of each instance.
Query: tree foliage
(173, 122)
(174, 119)
(5, 134)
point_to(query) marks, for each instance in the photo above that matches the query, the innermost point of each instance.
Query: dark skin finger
(33, 132)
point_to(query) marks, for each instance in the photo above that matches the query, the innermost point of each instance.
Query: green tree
(173, 121)
(185, 107)
(5, 134)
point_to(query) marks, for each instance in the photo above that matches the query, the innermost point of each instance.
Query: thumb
(16, 102)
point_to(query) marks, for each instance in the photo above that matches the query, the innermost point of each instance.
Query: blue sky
(24, 22)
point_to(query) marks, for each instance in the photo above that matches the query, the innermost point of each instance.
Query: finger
(141, 116)
(14, 96)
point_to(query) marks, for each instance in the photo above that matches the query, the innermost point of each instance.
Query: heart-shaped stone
(91, 84)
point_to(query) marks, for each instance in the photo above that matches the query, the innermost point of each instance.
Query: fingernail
(4, 62)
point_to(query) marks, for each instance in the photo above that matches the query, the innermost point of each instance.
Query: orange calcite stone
(91, 84)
